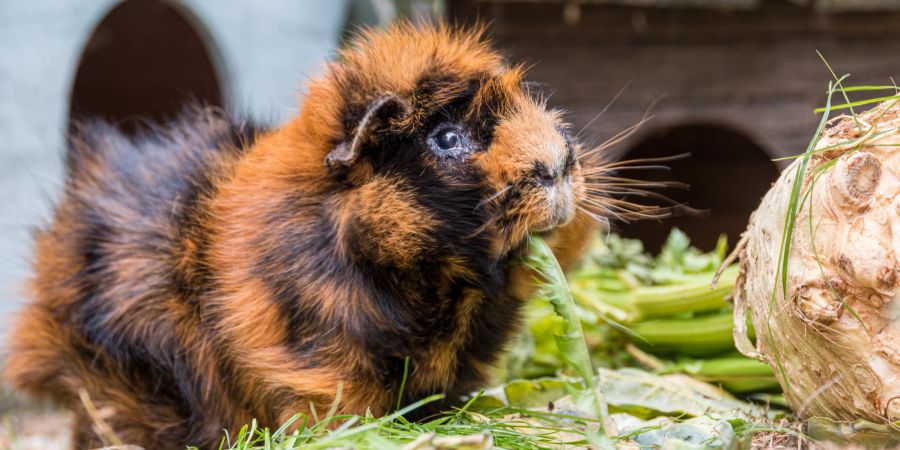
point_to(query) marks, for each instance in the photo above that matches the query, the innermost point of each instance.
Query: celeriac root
(831, 332)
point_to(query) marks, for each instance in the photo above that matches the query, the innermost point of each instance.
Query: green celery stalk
(693, 296)
(736, 373)
(730, 365)
(647, 302)
(746, 385)
(698, 336)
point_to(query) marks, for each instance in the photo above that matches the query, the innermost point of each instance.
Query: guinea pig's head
(435, 146)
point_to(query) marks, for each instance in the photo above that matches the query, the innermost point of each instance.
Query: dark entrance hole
(144, 61)
(727, 172)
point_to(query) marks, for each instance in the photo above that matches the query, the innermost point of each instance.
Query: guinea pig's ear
(378, 113)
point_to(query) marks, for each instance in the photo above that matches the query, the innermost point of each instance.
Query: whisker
(612, 177)
(613, 202)
(603, 111)
(600, 177)
(492, 197)
(629, 216)
(621, 206)
(602, 213)
(632, 188)
(607, 169)
(610, 196)
(619, 137)
(624, 134)
(590, 213)
(635, 192)
(623, 193)
(657, 159)
(620, 202)
(637, 183)
(638, 193)
(633, 210)
(671, 205)
(601, 219)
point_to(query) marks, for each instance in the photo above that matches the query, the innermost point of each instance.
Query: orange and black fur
(211, 273)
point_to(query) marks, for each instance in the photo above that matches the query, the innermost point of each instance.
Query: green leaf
(673, 251)
(647, 395)
(553, 286)
(699, 433)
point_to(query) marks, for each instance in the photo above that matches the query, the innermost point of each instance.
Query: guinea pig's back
(116, 273)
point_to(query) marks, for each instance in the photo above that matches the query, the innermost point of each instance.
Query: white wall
(268, 48)
(263, 50)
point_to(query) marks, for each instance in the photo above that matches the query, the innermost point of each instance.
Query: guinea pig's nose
(544, 176)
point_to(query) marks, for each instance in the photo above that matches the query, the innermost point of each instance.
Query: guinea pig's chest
(461, 329)
(432, 307)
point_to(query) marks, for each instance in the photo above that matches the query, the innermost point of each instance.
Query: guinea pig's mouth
(557, 209)
(524, 207)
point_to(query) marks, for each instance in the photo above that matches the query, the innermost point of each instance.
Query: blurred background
(733, 82)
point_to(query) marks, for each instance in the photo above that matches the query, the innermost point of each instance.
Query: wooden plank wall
(753, 73)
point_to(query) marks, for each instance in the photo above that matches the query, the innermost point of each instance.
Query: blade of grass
(787, 232)
(843, 144)
(858, 103)
(280, 431)
(870, 88)
(337, 401)
(839, 83)
(403, 381)
(379, 422)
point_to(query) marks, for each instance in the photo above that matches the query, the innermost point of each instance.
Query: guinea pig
(208, 273)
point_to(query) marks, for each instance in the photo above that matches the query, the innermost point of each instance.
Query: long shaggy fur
(210, 273)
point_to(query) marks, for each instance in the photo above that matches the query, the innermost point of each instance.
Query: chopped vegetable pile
(659, 313)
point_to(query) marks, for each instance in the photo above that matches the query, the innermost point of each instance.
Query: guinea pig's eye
(448, 141)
